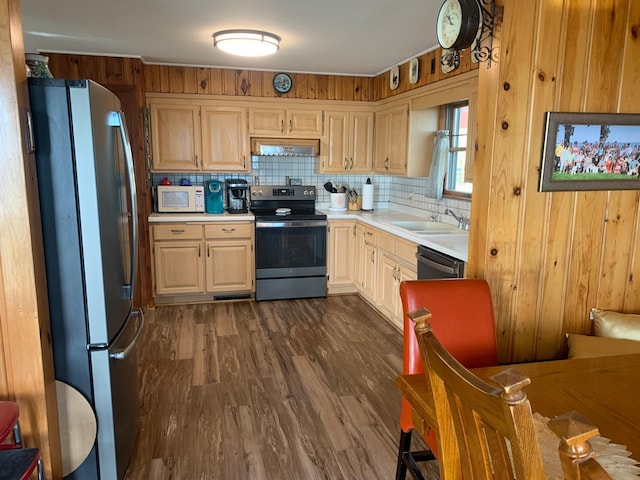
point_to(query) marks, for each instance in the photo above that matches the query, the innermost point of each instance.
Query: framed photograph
(590, 151)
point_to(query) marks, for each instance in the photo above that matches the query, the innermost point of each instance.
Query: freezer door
(115, 383)
(104, 209)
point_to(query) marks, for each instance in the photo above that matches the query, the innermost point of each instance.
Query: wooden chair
(464, 322)
(493, 427)
(576, 454)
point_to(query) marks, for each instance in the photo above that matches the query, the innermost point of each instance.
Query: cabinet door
(361, 143)
(178, 267)
(381, 142)
(387, 283)
(229, 266)
(341, 245)
(225, 143)
(304, 123)
(368, 289)
(403, 273)
(266, 121)
(391, 137)
(399, 129)
(336, 142)
(175, 137)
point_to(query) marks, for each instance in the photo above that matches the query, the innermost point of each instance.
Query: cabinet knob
(177, 231)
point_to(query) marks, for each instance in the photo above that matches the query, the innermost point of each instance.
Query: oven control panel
(279, 192)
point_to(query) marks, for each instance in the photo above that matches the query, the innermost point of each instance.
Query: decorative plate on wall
(394, 77)
(414, 71)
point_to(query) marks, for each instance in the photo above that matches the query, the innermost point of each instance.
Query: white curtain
(438, 165)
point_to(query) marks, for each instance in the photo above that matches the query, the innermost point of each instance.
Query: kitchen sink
(426, 227)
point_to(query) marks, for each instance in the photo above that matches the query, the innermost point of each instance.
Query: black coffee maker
(236, 195)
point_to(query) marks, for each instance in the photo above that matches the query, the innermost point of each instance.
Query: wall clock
(458, 24)
(282, 82)
(394, 77)
(414, 71)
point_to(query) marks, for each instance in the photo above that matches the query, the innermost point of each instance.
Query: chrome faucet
(463, 223)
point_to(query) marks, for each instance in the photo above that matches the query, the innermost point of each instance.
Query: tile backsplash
(272, 170)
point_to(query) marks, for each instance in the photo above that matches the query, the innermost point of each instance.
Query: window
(457, 121)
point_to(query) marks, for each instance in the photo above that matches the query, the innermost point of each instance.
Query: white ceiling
(348, 37)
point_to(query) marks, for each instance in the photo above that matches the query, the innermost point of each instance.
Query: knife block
(357, 205)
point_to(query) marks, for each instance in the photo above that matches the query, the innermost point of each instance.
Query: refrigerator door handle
(119, 121)
(122, 354)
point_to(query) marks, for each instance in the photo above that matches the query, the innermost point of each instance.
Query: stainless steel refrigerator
(89, 223)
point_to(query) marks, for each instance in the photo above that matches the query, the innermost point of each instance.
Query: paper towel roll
(367, 196)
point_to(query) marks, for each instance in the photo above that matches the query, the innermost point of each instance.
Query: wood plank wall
(26, 357)
(551, 257)
(216, 81)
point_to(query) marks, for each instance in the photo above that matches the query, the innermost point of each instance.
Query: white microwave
(180, 198)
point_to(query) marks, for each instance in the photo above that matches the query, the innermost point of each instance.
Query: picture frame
(590, 151)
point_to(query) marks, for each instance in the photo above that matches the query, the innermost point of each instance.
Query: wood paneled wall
(551, 257)
(250, 83)
(26, 357)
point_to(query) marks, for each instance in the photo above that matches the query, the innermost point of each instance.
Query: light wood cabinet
(178, 259)
(229, 262)
(347, 142)
(190, 260)
(391, 140)
(189, 136)
(341, 267)
(175, 137)
(396, 263)
(225, 143)
(368, 260)
(285, 122)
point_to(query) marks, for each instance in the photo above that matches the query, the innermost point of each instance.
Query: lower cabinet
(384, 260)
(177, 259)
(198, 259)
(340, 266)
(229, 262)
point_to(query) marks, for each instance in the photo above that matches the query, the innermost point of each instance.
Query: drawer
(369, 235)
(179, 231)
(406, 251)
(228, 230)
(385, 242)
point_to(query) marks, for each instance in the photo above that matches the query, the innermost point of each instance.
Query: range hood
(285, 147)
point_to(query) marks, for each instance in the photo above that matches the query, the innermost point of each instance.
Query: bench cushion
(583, 346)
(610, 324)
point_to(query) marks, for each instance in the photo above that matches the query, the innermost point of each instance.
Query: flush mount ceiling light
(246, 43)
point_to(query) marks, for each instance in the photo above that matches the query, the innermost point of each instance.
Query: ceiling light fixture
(246, 43)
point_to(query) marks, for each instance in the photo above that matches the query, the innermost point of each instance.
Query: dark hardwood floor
(293, 389)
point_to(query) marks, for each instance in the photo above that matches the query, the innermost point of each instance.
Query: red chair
(16, 462)
(462, 320)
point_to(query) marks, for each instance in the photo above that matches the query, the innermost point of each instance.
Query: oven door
(291, 248)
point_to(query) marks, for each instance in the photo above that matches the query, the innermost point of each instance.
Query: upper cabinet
(290, 122)
(175, 137)
(225, 143)
(391, 137)
(347, 144)
(187, 135)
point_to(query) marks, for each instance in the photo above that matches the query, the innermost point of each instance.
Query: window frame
(446, 119)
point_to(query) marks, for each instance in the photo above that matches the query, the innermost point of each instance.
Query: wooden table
(606, 390)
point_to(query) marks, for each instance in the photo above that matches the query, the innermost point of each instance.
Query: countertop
(200, 217)
(456, 244)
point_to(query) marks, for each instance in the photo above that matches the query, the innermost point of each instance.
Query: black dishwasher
(433, 265)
